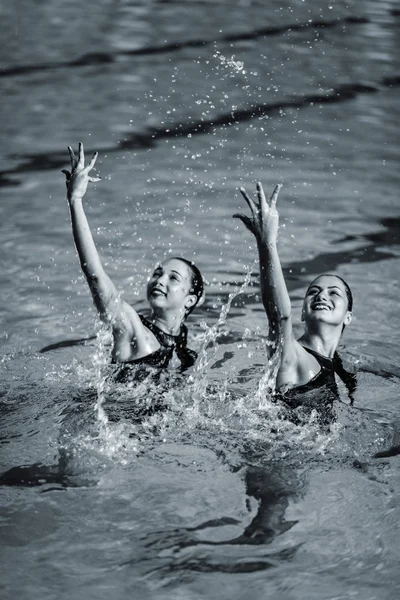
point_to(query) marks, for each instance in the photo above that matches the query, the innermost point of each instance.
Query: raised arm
(263, 224)
(131, 339)
(103, 290)
(296, 366)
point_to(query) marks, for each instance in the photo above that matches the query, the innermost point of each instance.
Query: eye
(174, 278)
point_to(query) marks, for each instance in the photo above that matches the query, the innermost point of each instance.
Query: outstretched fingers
(251, 204)
(274, 195)
(72, 157)
(261, 196)
(90, 167)
(93, 161)
(81, 157)
(246, 220)
(78, 170)
(67, 176)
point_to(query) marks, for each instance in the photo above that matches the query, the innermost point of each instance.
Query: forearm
(104, 293)
(263, 224)
(85, 246)
(274, 292)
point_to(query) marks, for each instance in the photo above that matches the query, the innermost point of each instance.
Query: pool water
(217, 495)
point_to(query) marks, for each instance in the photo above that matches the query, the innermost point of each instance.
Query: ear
(201, 300)
(190, 301)
(348, 318)
(302, 315)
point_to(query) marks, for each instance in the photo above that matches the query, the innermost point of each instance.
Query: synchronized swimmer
(173, 291)
(311, 361)
(176, 288)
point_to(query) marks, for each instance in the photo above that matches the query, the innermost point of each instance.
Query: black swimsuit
(324, 378)
(320, 392)
(140, 368)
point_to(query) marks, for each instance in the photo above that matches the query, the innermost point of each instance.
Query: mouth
(321, 306)
(157, 292)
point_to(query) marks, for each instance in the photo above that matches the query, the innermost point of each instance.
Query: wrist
(74, 198)
(266, 244)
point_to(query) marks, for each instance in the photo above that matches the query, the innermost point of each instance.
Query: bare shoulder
(132, 339)
(130, 316)
(297, 366)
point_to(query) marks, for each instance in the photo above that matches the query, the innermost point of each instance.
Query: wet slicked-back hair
(197, 281)
(348, 293)
(347, 290)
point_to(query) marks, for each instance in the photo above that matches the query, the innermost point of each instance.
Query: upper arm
(105, 296)
(112, 309)
(296, 365)
(131, 338)
(282, 340)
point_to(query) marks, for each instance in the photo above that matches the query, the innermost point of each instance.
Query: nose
(162, 279)
(322, 295)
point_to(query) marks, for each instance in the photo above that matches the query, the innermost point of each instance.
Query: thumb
(94, 179)
(245, 220)
(67, 176)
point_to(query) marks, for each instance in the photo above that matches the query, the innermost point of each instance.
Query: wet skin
(326, 301)
(169, 287)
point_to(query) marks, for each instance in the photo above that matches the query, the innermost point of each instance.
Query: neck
(323, 342)
(170, 323)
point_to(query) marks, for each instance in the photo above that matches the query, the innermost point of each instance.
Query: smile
(157, 292)
(321, 306)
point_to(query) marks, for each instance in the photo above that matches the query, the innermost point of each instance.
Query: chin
(157, 301)
(320, 316)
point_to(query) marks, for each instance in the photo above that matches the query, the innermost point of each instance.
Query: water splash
(199, 379)
(267, 384)
(230, 63)
(100, 360)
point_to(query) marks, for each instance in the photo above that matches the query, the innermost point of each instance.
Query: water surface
(186, 101)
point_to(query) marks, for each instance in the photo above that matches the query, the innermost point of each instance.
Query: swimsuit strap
(335, 365)
(173, 342)
(349, 379)
(324, 361)
(166, 339)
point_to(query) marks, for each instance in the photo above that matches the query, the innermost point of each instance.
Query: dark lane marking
(390, 236)
(297, 271)
(342, 93)
(102, 58)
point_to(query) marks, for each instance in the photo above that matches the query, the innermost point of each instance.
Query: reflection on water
(209, 485)
(185, 102)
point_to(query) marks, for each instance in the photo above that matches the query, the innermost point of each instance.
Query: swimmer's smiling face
(170, 286)
(327, 301)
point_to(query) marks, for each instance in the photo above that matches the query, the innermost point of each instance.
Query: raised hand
(264, 220)
(78, 178)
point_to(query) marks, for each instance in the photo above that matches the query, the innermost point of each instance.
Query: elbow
(278, 325)
(275, 315)
(282, 312)
(284, 317)
(91, 276)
